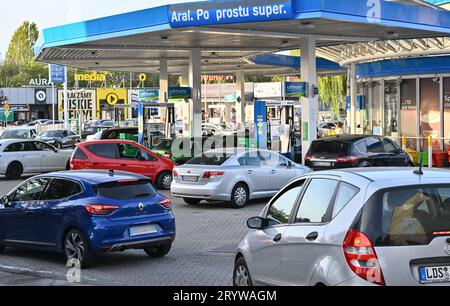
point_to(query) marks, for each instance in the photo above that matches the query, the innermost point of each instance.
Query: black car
(350, 151)
(60, 138)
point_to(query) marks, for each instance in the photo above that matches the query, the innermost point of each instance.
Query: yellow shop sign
(91, 77)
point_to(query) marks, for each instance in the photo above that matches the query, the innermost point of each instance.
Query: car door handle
(274, 171)
(250, 172)
(277, 238)
(313, 236)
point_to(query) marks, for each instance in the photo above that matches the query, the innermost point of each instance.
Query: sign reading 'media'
(229, 12)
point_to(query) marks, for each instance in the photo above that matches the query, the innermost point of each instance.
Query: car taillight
(168, 155)
(362, 258)
(213, 174)
(348, 159)
(166, 203)
(101, 210)
(174, 173)
(308, 157)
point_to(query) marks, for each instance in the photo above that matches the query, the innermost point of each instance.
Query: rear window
(103, 150)
(330, 148)
(165, 145)
(215, 160)
(406, 216)
(126, 190)
(78, 154)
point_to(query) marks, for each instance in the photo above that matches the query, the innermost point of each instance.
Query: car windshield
(52, 134)
(217, 159)
(164, 145)
(330, 147)
(407, 215)
(15, 134)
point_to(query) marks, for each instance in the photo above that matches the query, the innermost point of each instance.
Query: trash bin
(413, 154)
(422, 157)
(440, 159)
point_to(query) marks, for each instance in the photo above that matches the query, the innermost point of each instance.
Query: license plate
(193, 179)
(143, 230)
(439, 274)
(322, 164)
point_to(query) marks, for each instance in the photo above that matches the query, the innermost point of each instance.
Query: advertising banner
(177, 94)
(149, 95)
(81, 104)
(57, 74)
(111, 96)
(261, 124)
(268, 90)
(227, 12)
(295, 89)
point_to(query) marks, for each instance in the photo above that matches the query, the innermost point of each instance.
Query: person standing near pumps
(340, 129)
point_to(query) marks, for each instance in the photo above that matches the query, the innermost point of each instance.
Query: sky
(50, 13)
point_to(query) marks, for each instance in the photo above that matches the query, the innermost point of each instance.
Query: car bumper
(110, 235)
(213, 192)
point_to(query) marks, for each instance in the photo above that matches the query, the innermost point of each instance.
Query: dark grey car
(61, 138)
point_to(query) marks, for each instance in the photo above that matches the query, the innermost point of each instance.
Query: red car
(123, 155)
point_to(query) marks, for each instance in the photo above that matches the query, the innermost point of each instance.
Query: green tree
(332, 92)
(19, 65)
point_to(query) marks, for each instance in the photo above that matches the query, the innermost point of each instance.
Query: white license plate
(193, 179)
(437, 274)
(143, 230)
(322, 164)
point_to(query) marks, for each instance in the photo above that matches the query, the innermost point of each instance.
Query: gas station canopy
(232, 34)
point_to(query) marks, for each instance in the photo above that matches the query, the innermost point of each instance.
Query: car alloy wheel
(74, 247)
(240, 196)
(242, 277)
(167, 181)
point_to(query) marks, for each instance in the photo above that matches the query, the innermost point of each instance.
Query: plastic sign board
(177, 94)
(111, 96)
(268, 90)
(81, 103)
(6, 115)
(227, 12)
(295, 89)
(90, 77)
(149, 95)
(260, 111)
(57, 74)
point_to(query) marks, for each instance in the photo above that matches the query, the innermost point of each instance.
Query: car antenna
(111, 173)
(420, 171)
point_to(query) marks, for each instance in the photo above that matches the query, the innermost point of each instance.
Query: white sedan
(31, 156)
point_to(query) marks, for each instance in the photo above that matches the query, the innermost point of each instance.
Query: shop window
(408, 113)
(447, 111)
(390, 109)
(430, 117)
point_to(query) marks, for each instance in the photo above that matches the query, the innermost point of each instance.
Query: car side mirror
(4, 201)
(257, 223)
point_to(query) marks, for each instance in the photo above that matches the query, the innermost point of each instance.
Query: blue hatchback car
(85, 213)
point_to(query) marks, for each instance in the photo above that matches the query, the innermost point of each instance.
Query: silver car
(18, 157)
(233, 175)
(352, 227)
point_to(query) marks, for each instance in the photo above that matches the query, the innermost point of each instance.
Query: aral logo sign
(230, 12)
(374, 11)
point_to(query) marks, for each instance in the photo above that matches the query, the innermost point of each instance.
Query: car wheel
(239, 196)
(77, 250)
(14, 171)
(159, 251)
(164, 181)
(192, 201)
(241, 275)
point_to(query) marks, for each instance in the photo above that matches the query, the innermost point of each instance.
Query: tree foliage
(332, 92)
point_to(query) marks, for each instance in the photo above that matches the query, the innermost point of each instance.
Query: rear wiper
(142, 195)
